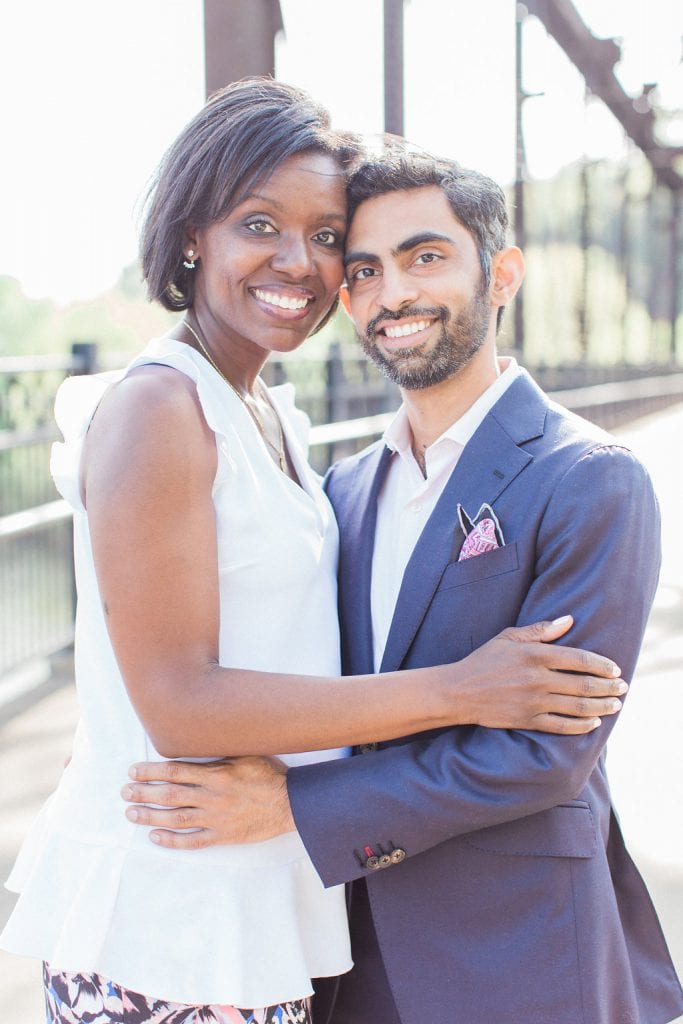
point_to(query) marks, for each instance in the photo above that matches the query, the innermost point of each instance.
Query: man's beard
(460, 338)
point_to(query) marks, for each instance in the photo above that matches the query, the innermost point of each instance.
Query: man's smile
(407, 332)
(402, 334)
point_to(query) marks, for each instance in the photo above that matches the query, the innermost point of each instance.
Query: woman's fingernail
(127, 792)
(133, 772)
(596, 722)
(563, 619)
(616, 671)
(622, 687)
(132, 814)
(155, 837)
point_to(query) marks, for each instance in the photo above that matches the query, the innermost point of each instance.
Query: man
(491, 882)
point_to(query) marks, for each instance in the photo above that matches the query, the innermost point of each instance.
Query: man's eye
(260, 227)
(362, 273)
(328, 237)
(427, 257)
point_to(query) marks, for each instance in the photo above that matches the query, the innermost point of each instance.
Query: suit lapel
(357, 524)
(489, 463)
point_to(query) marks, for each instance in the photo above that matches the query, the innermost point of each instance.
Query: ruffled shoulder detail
(75, 405)
(223, 409)
(78, 398)
(220, 405)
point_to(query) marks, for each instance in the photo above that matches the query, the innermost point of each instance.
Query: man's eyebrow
(355, 256)
(420, 239)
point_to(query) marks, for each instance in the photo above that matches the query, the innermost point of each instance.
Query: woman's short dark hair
(238, 139)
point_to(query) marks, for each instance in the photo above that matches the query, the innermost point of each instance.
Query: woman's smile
(286, 303)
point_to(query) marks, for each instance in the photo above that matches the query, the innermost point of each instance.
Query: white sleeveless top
(245, 925)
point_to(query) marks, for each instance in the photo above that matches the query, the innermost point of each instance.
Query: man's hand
(235, 800)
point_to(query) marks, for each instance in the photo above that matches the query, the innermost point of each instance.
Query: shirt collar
(398, 435)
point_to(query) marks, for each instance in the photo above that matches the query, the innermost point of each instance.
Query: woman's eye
(328, 237)
(260, 227)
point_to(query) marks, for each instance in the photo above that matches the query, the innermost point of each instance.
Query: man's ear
(345, 298)
(507, 273)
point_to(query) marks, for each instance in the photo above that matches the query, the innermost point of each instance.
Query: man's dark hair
(237, 140)
(477, 201)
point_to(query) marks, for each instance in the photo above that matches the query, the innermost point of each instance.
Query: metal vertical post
(239, 40)
(624, 249)
(584, 245)
(336, 400)
(520, 172)
(654, 236)
(676, 245)
(393, 67)
(84, 360)
(83, 357)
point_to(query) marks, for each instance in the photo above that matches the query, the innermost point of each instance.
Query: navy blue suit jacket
(517, 901)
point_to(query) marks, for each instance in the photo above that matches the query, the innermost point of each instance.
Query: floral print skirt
(90, 999)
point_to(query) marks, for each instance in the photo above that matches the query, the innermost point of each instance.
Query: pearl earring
(190, 263)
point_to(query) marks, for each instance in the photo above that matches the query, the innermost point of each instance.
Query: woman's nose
(294, 258)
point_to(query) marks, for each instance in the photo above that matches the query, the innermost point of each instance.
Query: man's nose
(293, 257)
(396, 290)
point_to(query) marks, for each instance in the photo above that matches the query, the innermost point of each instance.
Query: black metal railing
(347, 399)
(36, 584)
(37, 591)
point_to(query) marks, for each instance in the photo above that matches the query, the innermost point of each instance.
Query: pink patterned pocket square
(482, 534)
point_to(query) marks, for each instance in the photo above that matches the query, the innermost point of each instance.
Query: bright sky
(94, 91)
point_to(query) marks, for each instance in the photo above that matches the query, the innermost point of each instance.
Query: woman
(203, 541)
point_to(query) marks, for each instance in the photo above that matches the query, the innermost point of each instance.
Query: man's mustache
(415, 312)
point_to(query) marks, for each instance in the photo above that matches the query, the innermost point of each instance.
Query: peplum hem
(96, 907)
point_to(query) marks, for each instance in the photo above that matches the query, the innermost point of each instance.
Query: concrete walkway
(645, 754)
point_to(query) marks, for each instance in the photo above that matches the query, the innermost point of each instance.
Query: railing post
(393, 67)
(84, 361)
(676, 240)
(520, 175)
(84, 356)
(335, 380)
(583, 313)
(279, 374)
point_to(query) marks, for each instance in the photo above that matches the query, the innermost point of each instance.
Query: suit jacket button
(372, 863)
(385, 860)
(367, 748)
(397, 855)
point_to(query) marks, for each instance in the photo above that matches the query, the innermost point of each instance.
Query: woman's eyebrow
(334, 216)
(261, 198)
(265, 198)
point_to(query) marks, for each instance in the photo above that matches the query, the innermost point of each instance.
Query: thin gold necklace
(279, 448)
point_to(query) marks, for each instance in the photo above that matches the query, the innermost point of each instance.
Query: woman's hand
(520, 680)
